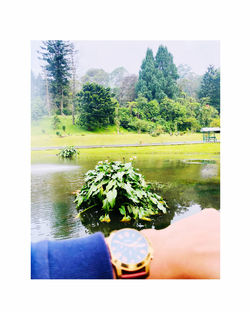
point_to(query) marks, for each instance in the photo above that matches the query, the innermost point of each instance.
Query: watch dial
(129, 246)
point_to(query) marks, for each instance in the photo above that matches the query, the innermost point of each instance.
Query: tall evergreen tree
(56, 55)
(210, 87)
(167, 71)
(157, 76)
(146, 81)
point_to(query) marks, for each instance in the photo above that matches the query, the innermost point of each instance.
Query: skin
(187, 249)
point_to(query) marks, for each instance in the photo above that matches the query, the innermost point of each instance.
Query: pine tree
(210, 87)
(56, 57)
(145, 86)
(157, 76)
(167, 71)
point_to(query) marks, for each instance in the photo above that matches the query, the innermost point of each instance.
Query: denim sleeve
(80, 258)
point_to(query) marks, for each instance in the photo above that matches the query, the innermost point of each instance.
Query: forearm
(189, 248)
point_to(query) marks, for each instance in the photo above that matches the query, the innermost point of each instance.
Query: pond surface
(187, 186)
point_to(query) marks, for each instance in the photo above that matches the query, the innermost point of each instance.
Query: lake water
(187, 186)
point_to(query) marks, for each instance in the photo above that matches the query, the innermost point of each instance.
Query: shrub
(64, 128)
(55, 122)
(141, 125)
(68, 152)
(67, 111)
(215, 123)
(116, 186)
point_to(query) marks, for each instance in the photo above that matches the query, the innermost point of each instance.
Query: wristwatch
(131, 253)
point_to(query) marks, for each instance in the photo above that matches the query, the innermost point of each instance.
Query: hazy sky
(108, 55)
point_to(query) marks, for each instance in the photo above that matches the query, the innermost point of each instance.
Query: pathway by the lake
(123, 145)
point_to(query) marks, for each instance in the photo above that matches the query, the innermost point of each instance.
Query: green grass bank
(43, 135)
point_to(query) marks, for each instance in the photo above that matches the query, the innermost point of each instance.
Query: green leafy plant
(55, 122)
(68, 152)
(116, 186)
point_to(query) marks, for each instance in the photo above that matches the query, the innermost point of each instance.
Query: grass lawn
(43, 135)
(209, 151)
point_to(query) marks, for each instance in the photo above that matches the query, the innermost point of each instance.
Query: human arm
(189, 248)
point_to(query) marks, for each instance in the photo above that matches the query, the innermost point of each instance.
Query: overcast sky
(108, 55)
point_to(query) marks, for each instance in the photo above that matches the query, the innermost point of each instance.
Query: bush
(124, 117)
(157, 131)
(141, 125)
(68, 152)
(215, 123)
(55, 122)
(116, 186)
(66, 111)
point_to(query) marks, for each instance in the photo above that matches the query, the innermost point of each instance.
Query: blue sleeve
(81, 258)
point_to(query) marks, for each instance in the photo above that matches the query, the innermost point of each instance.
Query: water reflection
(187, 187)
(182, 200)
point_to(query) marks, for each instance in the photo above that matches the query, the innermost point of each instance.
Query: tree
(126, 91)
(96, 75)
(183, 70)
(188, 82)
(147, 73)
(157, 76)
(148, 110)
(38, 108)
(167, 71)
(73, 83)
(96, 106)
(56, 56)
(116, 77)
(210, 87)
(38, 97)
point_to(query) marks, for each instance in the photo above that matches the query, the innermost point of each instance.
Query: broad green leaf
(111, 197)
(134, 198)
(122, 210)
(105, 204)
(110, 185)
(127, 187)
(92, 189)
(139, 193)
(79, 200)
(154, 200)
(127, 165)
(99, 176)
(118, 175)
(161, 207)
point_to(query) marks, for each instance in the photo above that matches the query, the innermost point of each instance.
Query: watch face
(129, 246)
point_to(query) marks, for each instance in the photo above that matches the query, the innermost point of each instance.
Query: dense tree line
(163, 98)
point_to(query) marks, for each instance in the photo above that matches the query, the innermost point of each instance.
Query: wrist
(166, 262)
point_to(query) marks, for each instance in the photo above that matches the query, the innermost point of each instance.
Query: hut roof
(210, 129)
